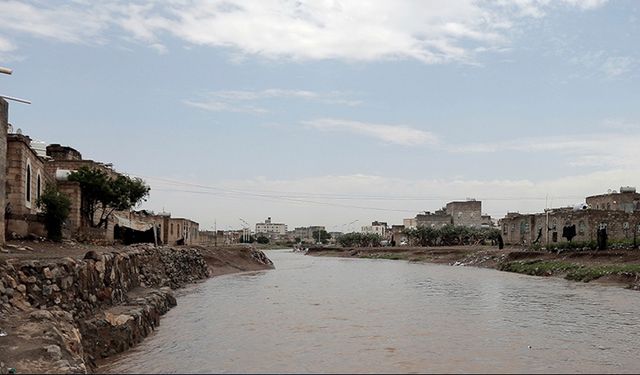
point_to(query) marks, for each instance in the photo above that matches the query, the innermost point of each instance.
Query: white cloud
(617, 66)
(616, 148)
(435, 31)
(396, 134)
(218, 106)
(234, 100)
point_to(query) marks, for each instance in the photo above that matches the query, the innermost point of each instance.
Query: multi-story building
(465, 213)
(272, 230)
(376, 227)
(437, 219)
(459, 213)
(306, 234)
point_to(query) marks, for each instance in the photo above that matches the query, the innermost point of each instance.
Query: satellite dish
(19, 131)
(608, 191)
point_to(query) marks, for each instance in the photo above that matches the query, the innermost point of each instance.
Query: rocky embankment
(62, 315)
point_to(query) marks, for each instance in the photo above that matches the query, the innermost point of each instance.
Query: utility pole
(215, 233)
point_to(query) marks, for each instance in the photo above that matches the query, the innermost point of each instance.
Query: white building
(376, 227)
(271, 229)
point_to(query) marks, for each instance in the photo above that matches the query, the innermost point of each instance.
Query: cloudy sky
(326, 112)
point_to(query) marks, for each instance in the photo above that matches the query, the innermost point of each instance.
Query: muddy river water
(327, 315)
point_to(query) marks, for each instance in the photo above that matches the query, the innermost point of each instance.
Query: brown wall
(627, 202)
(524, 229)
(468, 213)
(4, 122)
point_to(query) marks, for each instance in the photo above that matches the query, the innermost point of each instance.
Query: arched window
(38, 186)
(28, 182)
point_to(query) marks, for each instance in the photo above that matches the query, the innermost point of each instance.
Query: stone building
(4, 124)
(26, 178)
(564, 224)
(437, 219)
(465, 213)
(180, 231)
(459, 213)
(627, 200)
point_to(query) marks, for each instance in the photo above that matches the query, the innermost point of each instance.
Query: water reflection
(344, 315)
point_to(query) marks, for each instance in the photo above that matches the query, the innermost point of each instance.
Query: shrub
(55, 210)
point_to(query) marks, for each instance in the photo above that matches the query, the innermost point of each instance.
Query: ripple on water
(336, 315)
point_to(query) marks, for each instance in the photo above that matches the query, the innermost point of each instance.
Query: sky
(335, 113)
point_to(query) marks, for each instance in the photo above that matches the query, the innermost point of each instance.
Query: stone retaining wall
(98, 292)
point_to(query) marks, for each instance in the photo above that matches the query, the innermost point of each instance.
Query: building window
(38, 186)
(28, 190)
(581, 227)
(171, 228)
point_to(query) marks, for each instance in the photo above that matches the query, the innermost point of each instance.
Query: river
(328, 315)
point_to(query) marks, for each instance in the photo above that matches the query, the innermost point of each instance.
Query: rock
(39, 315)
(20, 303)
(22, 288)
(53, 352)
(66, 282)
(47, 273)
(117, 320)
(92, 255)
(31, 280)
(47, 290)
(100, 267)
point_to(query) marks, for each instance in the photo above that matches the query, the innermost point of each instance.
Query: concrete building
(271, 230)
(376, 227)
(627, 200)
(306, 234)
(410, 223)
(465, 213)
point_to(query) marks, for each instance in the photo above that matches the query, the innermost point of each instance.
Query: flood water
(327, 315)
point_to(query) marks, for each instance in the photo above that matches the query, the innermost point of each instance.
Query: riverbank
(620, 267)
(64, 307)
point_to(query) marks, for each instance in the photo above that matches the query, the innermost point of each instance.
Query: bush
(55, 210)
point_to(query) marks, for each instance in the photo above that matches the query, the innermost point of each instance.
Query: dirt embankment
(65, 307)
(620, 267)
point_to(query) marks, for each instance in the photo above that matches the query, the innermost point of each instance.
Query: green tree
(103, 194)
(55, 210)
(262, 239)
(322, 234)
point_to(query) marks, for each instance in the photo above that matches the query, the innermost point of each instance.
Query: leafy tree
(103, 194)
(324, 236)
(262, 240)
(55, 210)
(359, 240)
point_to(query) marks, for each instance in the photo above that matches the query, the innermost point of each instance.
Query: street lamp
(9, 71)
